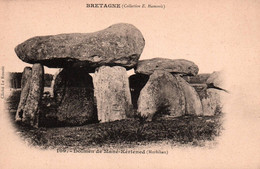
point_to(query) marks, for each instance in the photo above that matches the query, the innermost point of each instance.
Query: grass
(185, 130)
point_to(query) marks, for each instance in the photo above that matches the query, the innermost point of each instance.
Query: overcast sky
(209, 33)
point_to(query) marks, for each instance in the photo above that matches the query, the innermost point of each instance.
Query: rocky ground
(184, 130)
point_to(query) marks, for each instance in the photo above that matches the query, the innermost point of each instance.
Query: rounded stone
(193, 104)
(211, 100)
(161, 94)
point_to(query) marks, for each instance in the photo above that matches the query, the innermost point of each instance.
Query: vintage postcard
(130, 84)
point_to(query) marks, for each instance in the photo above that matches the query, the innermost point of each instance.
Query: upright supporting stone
(25, 86)
(31, 110)
(193, 103)
(161, 94)
(211, 101)
(74, 95)
(111, 88)
(53, 82)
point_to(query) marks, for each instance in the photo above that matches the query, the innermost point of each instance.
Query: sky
(205, 32)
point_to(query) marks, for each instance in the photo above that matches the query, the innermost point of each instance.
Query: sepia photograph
(136, 84)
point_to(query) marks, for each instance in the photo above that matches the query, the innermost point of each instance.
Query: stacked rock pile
(157, 85)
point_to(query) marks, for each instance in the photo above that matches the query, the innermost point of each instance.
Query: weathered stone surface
(199, 87)
(111, 88)
(211, 101)
(178, 66)
(161, 94)
(216, 78)
(120, 44)
(30, 114)
(197, 79)
(59, 85)
(27, 74)
(193, 104)
(25, 86)
(53, 82)
(74, 95)
(137, 82)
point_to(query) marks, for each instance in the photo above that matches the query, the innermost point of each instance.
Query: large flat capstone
(177, 66)
(120, 44)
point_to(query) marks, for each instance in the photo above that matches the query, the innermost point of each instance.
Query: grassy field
(185, 130)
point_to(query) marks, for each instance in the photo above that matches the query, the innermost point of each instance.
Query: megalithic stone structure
(112, 93)
(30, 114)
(118, 45)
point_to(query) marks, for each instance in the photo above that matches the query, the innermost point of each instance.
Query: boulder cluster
(174, 88)
(160, 86)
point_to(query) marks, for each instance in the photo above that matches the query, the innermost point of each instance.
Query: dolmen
(164, 90)
(92, 84)
(173, 87)
(108, 54)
